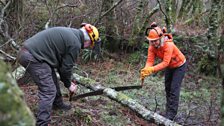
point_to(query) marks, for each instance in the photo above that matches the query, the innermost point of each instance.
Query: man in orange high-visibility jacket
(173, 61)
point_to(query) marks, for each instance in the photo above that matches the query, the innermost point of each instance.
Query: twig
(223, 83)
(200, 122)
(85, 73)
(5, 43)
(52, 13)
(11, 57)
(210, 107)
(66, 5)
(156, 103)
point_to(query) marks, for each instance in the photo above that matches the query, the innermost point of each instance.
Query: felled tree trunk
(126, 101)
(13, 109)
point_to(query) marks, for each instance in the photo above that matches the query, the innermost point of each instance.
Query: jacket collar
(82, 38)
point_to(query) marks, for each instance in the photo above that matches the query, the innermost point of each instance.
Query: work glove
(72, 89)
(146, 72)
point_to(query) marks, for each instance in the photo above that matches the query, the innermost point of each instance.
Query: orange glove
(146, 72)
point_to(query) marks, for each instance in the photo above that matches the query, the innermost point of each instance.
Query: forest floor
(199, 99)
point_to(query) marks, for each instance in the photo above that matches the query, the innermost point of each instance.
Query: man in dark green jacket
(54, 48)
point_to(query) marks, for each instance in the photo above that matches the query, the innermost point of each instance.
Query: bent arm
(65, 70)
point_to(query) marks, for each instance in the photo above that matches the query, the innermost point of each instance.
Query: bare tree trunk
(112, 44)
(212, 34)
(168, 14)
(220, 57)
(137, 23)
(222, 103)
(140, 23)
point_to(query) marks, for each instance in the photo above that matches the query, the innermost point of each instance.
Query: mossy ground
(199, 101)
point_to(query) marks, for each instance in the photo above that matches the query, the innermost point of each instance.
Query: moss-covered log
(126, 101)
(13, 109)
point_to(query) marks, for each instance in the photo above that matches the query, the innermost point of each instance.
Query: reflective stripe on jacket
(171, 56)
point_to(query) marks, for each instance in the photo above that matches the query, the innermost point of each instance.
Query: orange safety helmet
(154, 33)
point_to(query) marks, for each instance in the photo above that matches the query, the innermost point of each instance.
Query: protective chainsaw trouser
(173, 80)
(48, 88)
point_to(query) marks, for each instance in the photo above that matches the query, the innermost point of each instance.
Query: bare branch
(4, 27)
(3, 10)
(160, 6)
(11, 57)
(66, 5)
(115, 5)
(156, 103)
(46, 26)
(2, 3)
(54, 11)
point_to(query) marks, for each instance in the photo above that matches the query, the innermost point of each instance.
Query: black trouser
(173, 79)
(48, 88)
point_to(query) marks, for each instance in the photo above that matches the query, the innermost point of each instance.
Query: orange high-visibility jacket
(171, 56)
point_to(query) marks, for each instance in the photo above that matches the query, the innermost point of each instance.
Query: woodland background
(198, 30)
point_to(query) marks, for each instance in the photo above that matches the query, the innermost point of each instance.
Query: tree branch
(52, 13)
(3, 24)
(160, 6)
(11, 57)
(104, 14)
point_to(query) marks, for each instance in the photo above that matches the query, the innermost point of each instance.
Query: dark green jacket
(59, 47)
